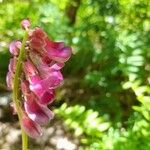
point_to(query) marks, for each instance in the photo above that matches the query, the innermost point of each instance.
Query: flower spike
(34, 73)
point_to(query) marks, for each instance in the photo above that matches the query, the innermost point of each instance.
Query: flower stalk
(16, 89)
(34, 73)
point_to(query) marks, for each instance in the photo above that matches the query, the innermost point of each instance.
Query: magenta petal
(37, 40)
(9, 80)
(47, 97)
(39, 86)
(54, 45)
(60, 55)
(38, 33)
(56, 66)
(29, 68)
(53, 80)
(40, 114)
(37, 44)
(35, 85)
(14, 47)
(35, 79)
(31, 128)
(45, 69)
(25, 87)
(12, 64)
(53, 71)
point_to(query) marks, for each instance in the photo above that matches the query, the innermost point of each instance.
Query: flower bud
(14, 47)
(25, 24)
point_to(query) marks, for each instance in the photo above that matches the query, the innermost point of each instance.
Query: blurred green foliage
(107, 78)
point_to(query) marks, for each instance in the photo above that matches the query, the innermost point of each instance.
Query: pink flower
(40, 43)
(25, 24)
(14, 47)
(39, 76)
(38, 113)
(31, 128)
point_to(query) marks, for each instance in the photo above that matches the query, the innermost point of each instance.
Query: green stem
(16, 89)
(25, 140)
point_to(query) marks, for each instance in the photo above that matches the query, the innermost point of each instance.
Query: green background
(105, 98)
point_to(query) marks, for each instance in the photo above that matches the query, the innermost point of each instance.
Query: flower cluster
(40, 75)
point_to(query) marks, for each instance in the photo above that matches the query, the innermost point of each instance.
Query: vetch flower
(38, 61)
(11, 71)
(40, 43)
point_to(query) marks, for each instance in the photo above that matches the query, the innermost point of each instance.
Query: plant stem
(24, 140)
(16, 89)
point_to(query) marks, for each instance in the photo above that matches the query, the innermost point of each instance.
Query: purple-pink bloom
(14, 47)
(40, 43)
(40, 76)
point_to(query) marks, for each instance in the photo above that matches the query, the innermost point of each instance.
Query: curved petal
(47, 97)
(40, 86)
(31, 128)
(37, 32)
(52, 81)
(40, 114)
(14, 47)
(9, 80)
(57, 51)
(12, 64)
(25, 87)
(29, 68)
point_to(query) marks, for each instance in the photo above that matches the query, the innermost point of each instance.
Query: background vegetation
(105, 99)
